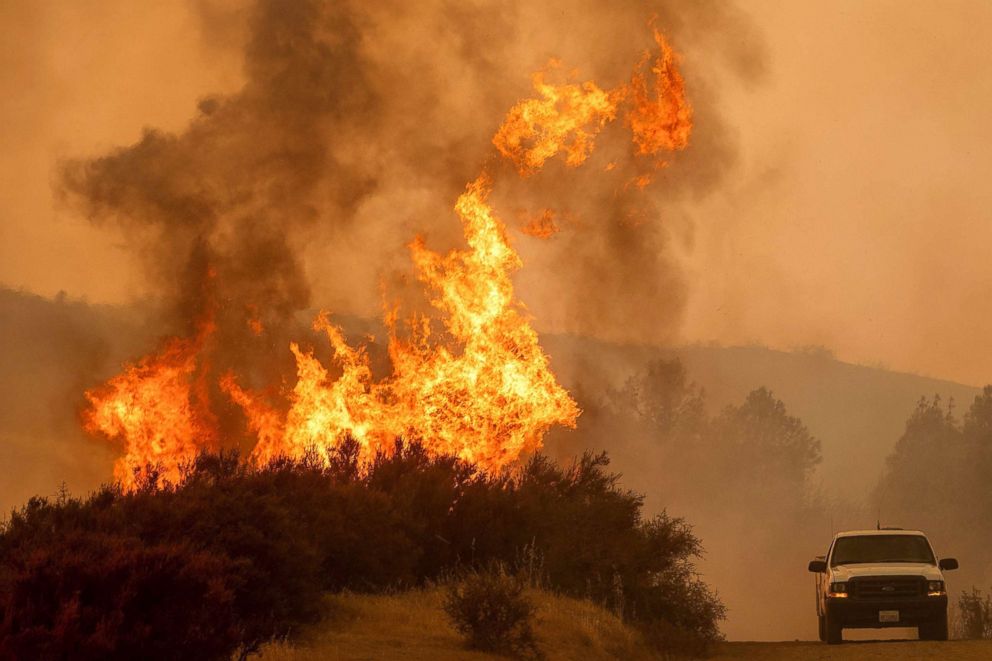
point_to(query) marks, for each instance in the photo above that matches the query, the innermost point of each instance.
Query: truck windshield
(881, 548)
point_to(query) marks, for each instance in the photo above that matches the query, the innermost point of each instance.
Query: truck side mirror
(820, 566)
(948, 563)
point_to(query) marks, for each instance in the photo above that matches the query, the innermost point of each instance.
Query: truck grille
(888, 587)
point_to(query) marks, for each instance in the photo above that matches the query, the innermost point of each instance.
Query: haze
(856, 218)
(833, 196)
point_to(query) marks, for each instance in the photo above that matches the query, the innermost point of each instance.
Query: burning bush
(490, 608)
(268, 542)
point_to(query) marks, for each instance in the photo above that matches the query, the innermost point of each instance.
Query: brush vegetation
(234, 556)
(490, 609)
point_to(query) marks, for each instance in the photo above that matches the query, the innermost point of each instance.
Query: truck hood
(847, 572)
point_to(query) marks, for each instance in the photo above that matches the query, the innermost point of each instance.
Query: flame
(482, 390)
(641, 181)
(254, 320)
(158, 408)
(322, 412)
(541, 226)
(495, 399)
(488, 402)
(566, 118)
(661, 121)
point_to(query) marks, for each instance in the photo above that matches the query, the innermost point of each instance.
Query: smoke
(357, 125)
(50, 351)
(217, 212)
(356, 128)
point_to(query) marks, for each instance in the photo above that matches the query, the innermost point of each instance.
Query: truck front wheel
(936, 630)
(833, 630)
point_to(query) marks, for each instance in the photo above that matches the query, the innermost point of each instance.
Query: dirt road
(884, 650)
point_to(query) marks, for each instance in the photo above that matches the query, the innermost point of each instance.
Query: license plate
(888, 616)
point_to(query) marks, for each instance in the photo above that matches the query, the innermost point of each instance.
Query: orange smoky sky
(860, 218)
(854, 213)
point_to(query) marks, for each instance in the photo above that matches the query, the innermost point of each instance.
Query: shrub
(490, 608)
(975, 615)
(282, 535)
(98, 596)
(591, 540)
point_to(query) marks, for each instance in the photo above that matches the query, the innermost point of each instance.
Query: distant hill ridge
(857, 412)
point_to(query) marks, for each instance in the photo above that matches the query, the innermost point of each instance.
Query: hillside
(857, 412)
(412, 626)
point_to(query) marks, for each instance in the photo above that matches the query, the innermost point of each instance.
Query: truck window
(881, 548)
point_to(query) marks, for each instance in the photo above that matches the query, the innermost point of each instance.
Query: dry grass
(412, 626)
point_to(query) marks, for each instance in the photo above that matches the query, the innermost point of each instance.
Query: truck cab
(881, 578)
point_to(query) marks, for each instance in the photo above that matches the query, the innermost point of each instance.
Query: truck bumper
(864, 614)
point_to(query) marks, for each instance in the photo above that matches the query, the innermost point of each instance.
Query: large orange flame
(482, 390)
(322, 412)
(487, 396)
(158, 408)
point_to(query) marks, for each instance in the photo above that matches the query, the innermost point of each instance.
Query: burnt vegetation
(233, 556)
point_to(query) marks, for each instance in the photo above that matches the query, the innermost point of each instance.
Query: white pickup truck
(881, 578)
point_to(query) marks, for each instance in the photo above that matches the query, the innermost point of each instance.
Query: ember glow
(541, 226)
(480, 388)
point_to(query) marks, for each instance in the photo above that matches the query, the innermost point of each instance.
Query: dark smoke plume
(217, 213)
(356, 128)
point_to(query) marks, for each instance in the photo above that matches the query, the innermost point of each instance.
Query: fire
(641, 181)
(568, 117)
(488, 399)
(482, 389)
(322, 412)
(661, 121)
(541, 226)
(565, 118)
(157, 408)
(254, 321)
(495, 398)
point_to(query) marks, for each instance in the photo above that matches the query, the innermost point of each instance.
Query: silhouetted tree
(761, 449)
(922, 476)
(937, 479)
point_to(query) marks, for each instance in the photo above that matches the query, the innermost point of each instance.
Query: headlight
(838, 590)
(935, 588)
